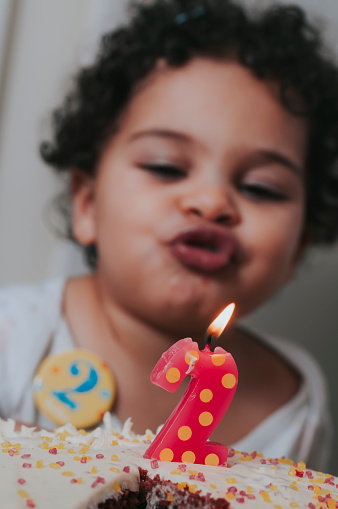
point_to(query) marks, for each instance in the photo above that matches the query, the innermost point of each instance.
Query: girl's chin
(188, 299)
(192, 307)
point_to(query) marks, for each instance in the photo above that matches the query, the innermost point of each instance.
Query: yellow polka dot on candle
(205, 418)
(173, 375)
(218, 359)
(206, 395)
(212, 459)
(188, 457)
(166, 455)
(229, 381)
(191, 356)
(184, 433)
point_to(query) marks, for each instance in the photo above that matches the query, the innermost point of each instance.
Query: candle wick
(208, 339)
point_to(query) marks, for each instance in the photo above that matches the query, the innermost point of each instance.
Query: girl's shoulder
(281, 369)
(28, 311)
(31, 297)
(293, 356)
(28, 315)
(274, 376)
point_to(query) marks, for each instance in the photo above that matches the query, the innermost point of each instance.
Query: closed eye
(165, 171)
(261, 192)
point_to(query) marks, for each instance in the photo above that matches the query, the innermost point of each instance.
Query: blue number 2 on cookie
(87, 384)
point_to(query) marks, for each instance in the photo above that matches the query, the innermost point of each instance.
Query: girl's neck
(99, 324)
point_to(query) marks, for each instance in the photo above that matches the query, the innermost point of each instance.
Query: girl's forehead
(206, 78)
(212, 96)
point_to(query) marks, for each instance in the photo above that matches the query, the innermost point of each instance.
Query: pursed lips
(208, 249)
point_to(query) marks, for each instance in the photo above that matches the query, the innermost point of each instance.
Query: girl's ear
(83, 207)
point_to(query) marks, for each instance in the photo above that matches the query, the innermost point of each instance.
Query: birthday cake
(103, 469)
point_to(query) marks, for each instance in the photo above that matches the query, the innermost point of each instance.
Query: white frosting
(71, 470)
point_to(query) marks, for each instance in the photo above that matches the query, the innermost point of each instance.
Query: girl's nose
(211, 202)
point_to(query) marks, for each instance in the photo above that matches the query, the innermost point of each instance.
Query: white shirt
(32, 326)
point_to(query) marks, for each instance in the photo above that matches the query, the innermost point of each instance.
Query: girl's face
(199, 198)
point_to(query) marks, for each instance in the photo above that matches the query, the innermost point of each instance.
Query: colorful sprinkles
(70, 463)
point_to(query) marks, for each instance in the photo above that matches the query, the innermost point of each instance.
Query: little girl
(202, 149)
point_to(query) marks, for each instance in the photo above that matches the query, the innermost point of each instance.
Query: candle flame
(218, 325)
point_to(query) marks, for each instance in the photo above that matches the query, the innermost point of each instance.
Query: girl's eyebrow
(161, 133)
(267, 156)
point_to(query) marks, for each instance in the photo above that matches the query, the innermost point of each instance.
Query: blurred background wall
(41, 44)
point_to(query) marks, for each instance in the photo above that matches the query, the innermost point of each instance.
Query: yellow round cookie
(74, 386)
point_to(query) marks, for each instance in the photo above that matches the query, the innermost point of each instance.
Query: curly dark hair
(278, 43)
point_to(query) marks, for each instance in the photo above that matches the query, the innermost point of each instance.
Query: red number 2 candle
(184, 436)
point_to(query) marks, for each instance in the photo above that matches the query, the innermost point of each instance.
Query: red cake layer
(157, 493)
